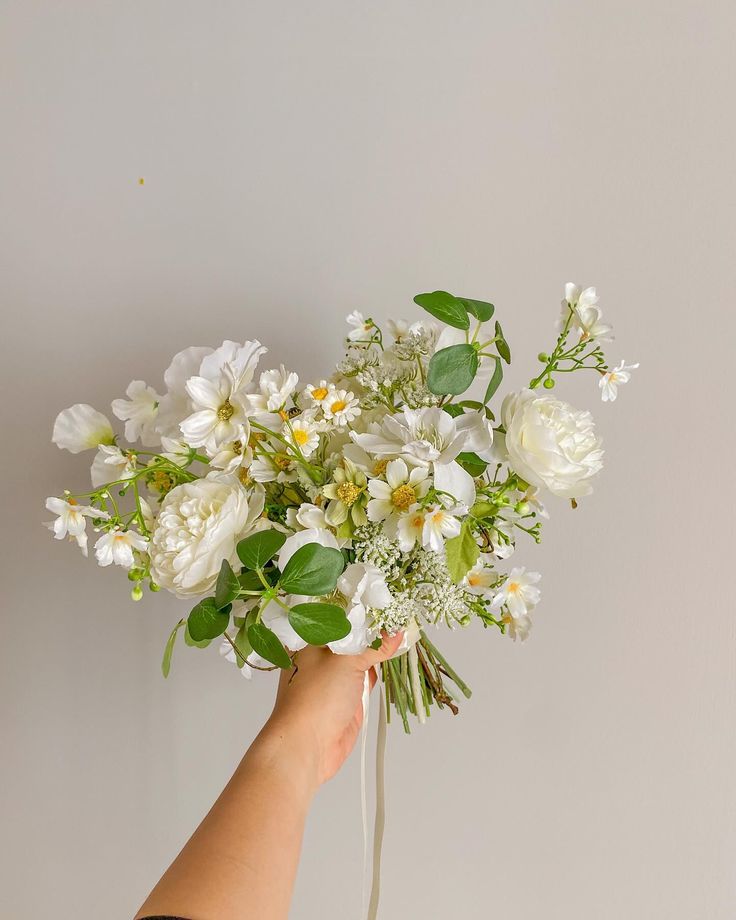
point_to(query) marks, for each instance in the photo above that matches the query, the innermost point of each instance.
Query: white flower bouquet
(379, 500)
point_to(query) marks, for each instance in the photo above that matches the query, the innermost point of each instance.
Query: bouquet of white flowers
(377, 500)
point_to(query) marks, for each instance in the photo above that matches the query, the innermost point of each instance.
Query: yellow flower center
(473, 580)
(417, 521)
(238, 447)
(338, 406)
(438, 517)
(319, 393)
(282, 461)
(225, 412)
(403, 496)
(244, 476)
(380, 468)
(301, 436)
(514, 587)
(347, 492)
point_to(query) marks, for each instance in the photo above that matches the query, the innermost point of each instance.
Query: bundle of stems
(417, 680)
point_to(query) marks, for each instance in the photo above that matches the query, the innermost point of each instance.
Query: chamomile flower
(362, 329)
(519, 593)
(440, 524)
(116, 546)
(341, 407)
(401, 490)
(72, 519)
(318, 393)
(303, 434)
(611, 381)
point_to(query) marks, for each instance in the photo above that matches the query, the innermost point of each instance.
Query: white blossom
(139, 413)
(116, 546)
(72, 519)
(440, 524)
(401, 490)
(519, 593)
(80, 427)
(341, 407)
(362, 329)
(111, 464)
(276, 387)
(613, 379)
(365, 589)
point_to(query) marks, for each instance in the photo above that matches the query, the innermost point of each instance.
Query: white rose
(551, 444)
(199, 525)
(365, 588)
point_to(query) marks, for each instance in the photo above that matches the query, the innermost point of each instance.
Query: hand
(318, 711)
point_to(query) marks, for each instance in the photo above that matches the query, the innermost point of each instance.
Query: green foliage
(319, 623)
(207, 621)
(502, 346)
(452, 369)
(444, 307)
(462, 554)
(495, 381)
(472, 463)
(312, 570)
(255, 551)
(228, 586)
(166, 661)
(250, 581)
(242, 643)
(267, 644)
(482, 509)
(479, 308)
(193, 643)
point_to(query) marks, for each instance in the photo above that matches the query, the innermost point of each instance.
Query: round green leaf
(318, 623)
(472, 463)
(445, 307)
(479, 308)
(227, 587)
(452, 370)
(312, 570)
(267, 644)
(255, 551)
(207, 621)
(461, 554)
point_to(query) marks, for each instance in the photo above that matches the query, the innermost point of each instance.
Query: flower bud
(548, 383)
(137, 593)
(153, 586)
(522, 508)
(543, 357)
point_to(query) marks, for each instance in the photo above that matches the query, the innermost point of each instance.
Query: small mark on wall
(141, 181)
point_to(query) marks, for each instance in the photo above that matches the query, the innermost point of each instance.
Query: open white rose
(199, 525)
(551, 444)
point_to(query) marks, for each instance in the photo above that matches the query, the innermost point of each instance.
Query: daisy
(303, 434)
(341, 407)
(117, 546)
(400, 491)
(519, 594)
(318, 393)
(72, 519)
(362, 330)
(440, 524)
(610, 382)
(139, 412)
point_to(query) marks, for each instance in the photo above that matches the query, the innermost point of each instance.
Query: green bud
(136, 574)
(153, 586)
(543, 357)
(137, 593)
(548, 383)
(522, 508)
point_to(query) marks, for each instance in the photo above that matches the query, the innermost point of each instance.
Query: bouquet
(379, 499)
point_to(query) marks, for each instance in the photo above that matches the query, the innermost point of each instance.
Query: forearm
(242, 860)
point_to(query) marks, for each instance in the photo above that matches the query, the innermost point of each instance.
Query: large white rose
(199, 525)
(551, 444)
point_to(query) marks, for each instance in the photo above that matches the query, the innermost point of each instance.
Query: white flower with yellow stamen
(220, 412)
(440, 524)
(302, 432)
(319, 392)
(481, 578)
(362, 329)
(341, 407)
(519, 594)
(410, 528)
(72, 519)
(392, 497)
(116, 546)
(610, 382)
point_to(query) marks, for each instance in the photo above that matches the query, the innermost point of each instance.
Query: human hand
(318, 711)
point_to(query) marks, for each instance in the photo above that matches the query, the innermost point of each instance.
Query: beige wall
(302, 160)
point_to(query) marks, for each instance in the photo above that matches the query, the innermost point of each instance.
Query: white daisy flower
(519, 594)
(303, 433)
(319, 392)
(611, 381)
(139, 412)
(220, 412)
(341, 407)
(400, 491)
(362, 329)
(72, 519)
(116, 546)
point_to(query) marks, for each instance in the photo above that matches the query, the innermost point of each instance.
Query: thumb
(371, 657)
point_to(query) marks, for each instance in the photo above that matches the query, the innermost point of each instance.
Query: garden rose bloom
(551, 444)
(199, 525)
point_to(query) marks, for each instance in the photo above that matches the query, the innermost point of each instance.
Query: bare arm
(241, 861)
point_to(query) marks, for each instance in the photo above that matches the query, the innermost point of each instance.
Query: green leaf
(242, 644)
(267, 644)
(502, 346)
(227, 587)
(445, 307)
(312, 570)
(249, 581)
(318, 623)
(207, 621)
(495, 381)
(193, 643)
(166, 661)
(452, 369)
(483, 509)
(479, 308)
(472, 463)
(377, 643)
(454, 409)
(255, 551)
(462, 554)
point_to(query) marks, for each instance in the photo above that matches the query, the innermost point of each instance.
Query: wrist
(287, 757)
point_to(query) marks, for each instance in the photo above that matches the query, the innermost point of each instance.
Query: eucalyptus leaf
(255, 551)
(267, 644)
(454, 409)
(502, 346)
(207, 621)
(483, 509)
(445, 307)
(227, 587)
(250, 581)
(312, 570)
(479, 308)
(495, 381)
(462, 554)
(319, 623)
(192, 642)
(452, 369)
(472, 463)
(166, 661)
(242, 644)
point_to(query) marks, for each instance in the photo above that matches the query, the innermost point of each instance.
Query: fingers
(371, 657)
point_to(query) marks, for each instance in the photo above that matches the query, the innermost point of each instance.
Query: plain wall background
(301, 161)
